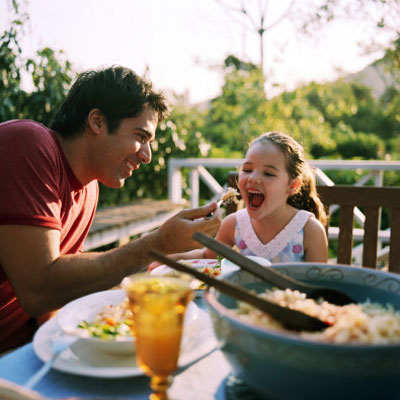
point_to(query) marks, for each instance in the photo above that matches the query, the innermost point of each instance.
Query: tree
(380, 18)
(50, 72)
(254, 21)
(52, 80)
(11, 96)
(238, 115)
(337, 119)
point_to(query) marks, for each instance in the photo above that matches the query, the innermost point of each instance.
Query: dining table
(202, 380)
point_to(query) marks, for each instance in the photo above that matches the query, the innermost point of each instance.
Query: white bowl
(86, 308)
(229, 266)
(199, 263)
(196, 263)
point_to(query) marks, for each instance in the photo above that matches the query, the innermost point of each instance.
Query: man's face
(122, 152)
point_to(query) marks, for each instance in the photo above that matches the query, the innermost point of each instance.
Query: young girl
(283, 219)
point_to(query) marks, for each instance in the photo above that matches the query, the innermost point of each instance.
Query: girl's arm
(315, 241)
(226, 234)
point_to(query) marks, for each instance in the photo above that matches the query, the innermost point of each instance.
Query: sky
(183, 43)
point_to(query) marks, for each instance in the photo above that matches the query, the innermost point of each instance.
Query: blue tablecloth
(203, 380)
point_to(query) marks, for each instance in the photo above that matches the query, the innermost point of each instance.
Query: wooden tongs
(273, 276)
(291, 319)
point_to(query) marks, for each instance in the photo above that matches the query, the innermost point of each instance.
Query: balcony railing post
(174, 182)
(194, 187)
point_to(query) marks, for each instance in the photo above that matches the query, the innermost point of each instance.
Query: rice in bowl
(365, 323)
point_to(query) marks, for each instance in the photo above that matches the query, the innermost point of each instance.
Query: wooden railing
(116, 225)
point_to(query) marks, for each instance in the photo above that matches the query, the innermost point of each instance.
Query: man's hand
(176, 233)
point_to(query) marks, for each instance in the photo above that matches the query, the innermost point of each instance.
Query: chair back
(372, 200)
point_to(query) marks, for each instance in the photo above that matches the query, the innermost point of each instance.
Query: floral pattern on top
(286, 246)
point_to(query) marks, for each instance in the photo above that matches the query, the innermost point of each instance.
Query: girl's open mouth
(255, 198)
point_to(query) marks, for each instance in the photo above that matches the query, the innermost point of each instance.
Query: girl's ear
(96, 121)
(295, 186)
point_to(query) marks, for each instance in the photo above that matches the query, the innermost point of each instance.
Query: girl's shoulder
(229, 220)
(314, 226)
(226, 233)
(315, 241)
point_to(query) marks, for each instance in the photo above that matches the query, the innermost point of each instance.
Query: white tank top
(286, 246)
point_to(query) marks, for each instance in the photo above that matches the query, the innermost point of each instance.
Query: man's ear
(96, 121)
(295, 186)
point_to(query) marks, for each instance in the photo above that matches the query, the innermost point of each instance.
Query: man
(49, 193)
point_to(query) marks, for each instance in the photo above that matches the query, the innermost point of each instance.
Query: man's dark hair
(117, 92)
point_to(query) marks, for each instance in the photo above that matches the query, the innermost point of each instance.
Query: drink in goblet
(158, 306)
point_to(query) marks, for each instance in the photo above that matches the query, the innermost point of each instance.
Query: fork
(60, 343)
(273, 276)
(219, 204)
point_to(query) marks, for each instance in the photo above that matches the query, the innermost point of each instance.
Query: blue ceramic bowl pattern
(280, 365)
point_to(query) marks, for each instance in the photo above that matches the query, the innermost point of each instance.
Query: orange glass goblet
(158, 306)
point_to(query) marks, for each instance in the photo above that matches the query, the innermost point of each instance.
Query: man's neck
(75, 152)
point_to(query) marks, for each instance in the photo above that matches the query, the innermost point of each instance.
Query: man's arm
(43, 280)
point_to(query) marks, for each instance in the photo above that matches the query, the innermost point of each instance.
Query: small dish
(88, 307)
(211, 264)
(230, 266)
(200, 263)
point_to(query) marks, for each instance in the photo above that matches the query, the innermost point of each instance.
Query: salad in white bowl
(103, 320)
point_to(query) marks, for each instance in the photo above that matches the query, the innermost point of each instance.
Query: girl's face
(264, 181)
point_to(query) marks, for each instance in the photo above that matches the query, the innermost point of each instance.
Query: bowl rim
(92, 304)
(215, 306)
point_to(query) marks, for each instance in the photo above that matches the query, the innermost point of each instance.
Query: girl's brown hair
(297, 167)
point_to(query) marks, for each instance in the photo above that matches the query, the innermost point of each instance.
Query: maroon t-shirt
(38, 187)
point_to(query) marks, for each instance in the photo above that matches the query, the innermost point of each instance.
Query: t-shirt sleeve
(29, 176)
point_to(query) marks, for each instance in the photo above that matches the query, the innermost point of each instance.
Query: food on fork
(230, 196)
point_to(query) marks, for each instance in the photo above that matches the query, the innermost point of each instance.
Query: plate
(86, 308)
(80, 359)
(11, 391)
(198, 263)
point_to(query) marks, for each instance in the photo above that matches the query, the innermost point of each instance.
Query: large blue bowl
(284, 366)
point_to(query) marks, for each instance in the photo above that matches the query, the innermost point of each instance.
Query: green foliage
(238, 115)
(11, 97)
(360, 145)
(392, 59)
(50, 77)
(338, 120)
(291, 113)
